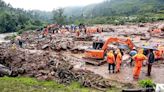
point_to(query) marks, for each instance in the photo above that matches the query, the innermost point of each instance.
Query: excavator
(159, 32)
(92, 30)
(87, 33)
(96, 55)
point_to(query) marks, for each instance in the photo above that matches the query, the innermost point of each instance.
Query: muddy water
(126, 74)
(2, 36)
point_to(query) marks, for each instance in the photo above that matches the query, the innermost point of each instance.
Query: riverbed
(3, 35)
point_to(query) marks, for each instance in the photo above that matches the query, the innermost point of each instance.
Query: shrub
(12, 37)
(20, 31)
(30, 27)
(146, 83)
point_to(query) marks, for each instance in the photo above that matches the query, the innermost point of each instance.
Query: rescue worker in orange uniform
(138, 58)
(118, 60)
(45, 32)
(158, 55)
(77, 32)
(155, 31)
(111, 60)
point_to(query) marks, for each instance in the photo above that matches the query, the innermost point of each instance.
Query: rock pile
(49, 66)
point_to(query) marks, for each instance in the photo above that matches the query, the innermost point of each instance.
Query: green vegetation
(116, 7)
(108, 12)
(31, 85)
(123, 19)
(58, 16)
(146, 83)
(21, 84)
(12, 20)
(118, 12)
(12, 37)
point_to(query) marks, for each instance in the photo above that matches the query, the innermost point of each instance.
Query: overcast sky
(49, 5)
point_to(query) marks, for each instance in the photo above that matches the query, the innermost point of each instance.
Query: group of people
(137, 56)
(55, 28)
(114, 59)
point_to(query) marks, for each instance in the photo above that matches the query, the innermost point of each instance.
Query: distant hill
(116, 7)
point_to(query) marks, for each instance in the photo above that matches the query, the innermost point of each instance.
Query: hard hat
(146, 44)
(134, 48)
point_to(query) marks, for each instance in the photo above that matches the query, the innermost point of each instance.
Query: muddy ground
(59, 57)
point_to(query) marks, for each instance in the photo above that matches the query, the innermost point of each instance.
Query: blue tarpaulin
(149, 47)
(123, 47)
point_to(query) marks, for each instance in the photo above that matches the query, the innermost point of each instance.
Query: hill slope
(16, 19)
(117, 7)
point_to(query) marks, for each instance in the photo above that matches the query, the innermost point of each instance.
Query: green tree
(58, 16)
(8, 22)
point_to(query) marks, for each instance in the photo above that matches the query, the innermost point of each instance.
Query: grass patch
(24, 84)
(146, 83)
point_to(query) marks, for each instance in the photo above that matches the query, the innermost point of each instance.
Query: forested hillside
(125, 7)
(12, 19)
(107, 12)
(110, 9)
(117, 7)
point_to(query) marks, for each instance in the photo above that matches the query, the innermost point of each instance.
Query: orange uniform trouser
(136, 71)
(118, 67)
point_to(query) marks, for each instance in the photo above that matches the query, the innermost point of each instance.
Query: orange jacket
(110, 58)
(119, 58)
(156, 31)
(77, 32)
(158, 54)
(139, 58)
(45, 31)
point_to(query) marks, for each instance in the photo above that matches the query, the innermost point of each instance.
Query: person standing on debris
(20, 42)
(78, 32)
(138, 58)
(145, 51)
(132, 53)
(111, 60)
(13, 46)
(151, 59)
(51, 38)
(118, 60)
(45, 33)
(85, 30)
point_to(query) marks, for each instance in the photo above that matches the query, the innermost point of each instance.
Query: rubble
(83, 38)
(56, 43)
(49, 66)
(4, 71)
(62, 44)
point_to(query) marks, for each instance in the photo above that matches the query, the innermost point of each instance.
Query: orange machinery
(91, 30)
(97, 54)
(157, 32)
